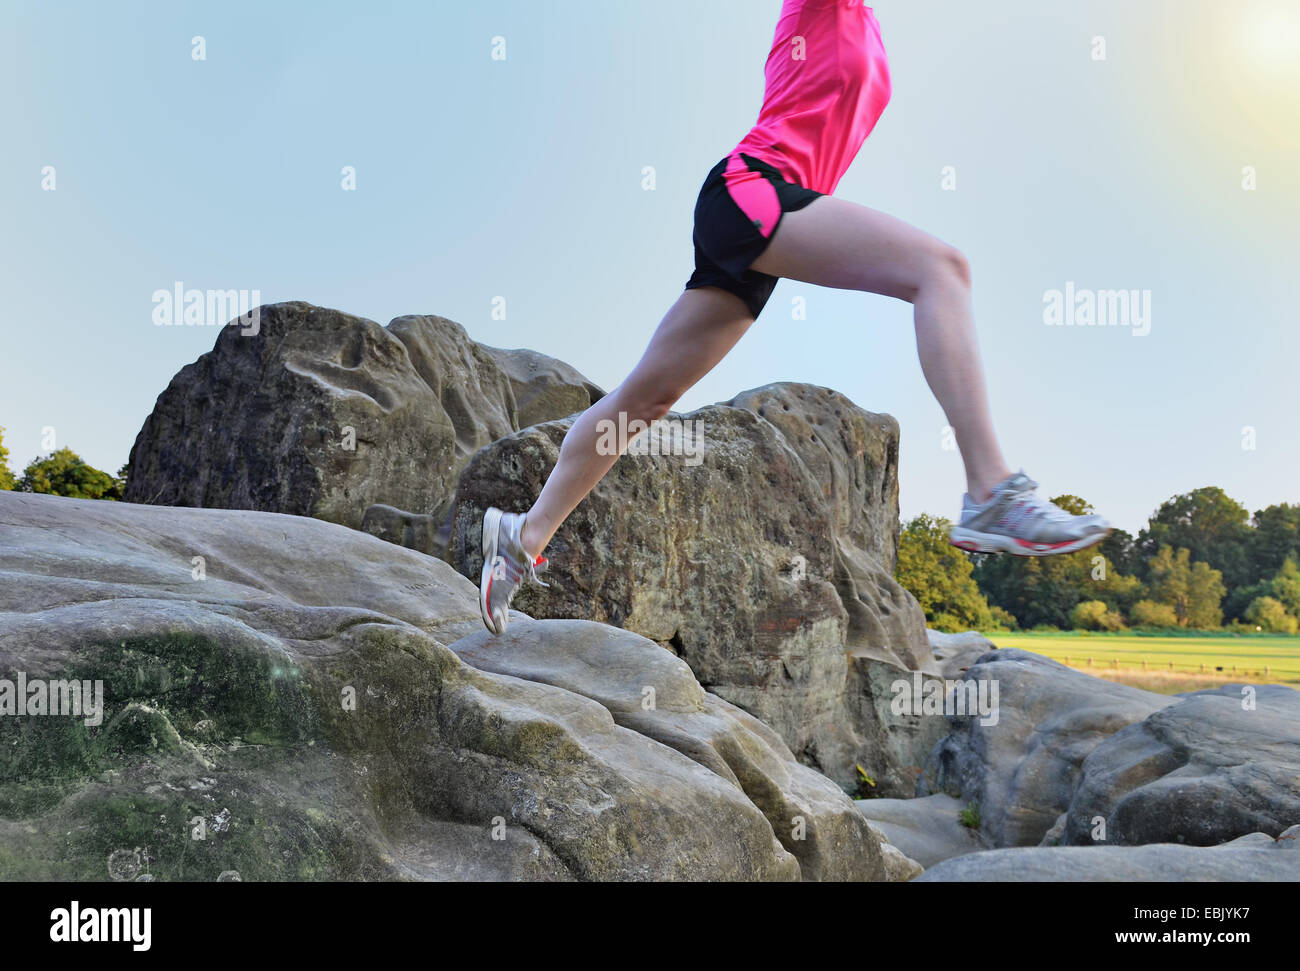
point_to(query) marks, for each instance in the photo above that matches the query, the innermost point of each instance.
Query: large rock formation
(766, 562)
(320, 413)
(288, 699)
(761, 554)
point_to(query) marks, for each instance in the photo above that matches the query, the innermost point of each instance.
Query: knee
(934, 267)
(948, 264)
(653, 409)
(647, 406)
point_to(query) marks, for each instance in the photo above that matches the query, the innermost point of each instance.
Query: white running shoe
(1016, 520)
(505, 567)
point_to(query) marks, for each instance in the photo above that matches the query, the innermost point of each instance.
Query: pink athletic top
(827, 84)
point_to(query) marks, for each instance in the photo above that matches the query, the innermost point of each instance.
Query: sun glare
(1272, 39)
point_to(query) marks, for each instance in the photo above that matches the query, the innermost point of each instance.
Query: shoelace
(532, 570)
(1035, 505)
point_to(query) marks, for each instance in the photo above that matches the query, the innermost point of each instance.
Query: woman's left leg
(696, 333)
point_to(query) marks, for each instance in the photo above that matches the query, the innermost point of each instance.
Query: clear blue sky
(522, 178)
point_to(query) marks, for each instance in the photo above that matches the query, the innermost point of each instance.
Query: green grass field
(1195, 658)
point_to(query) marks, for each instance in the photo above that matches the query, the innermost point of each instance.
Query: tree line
(61, 473)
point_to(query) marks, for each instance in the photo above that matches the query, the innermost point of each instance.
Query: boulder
(318, 413)
(762, 559)
(1211, 767)
(282, 701)
(1075, 760)
(648, 690)
(1254, 857)
(1022, 771)
(955, 653)
(323, 414)
(544, 387)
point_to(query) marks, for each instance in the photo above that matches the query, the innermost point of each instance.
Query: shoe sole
(973, 541)
(491, 526)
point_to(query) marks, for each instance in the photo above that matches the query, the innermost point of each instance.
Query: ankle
(530, 540)
(981, 487)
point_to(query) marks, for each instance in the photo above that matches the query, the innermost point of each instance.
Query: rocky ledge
(289, 699)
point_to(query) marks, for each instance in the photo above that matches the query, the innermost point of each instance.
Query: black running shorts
(739, 208)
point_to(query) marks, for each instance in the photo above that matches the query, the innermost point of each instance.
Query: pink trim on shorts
(754, 194)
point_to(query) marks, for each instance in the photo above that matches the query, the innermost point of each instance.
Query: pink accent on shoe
(1029, 545)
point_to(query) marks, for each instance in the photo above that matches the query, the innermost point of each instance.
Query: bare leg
(835, 243)
(702, 326)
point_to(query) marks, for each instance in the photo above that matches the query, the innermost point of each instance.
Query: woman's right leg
(696, 333)
(836, 243)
